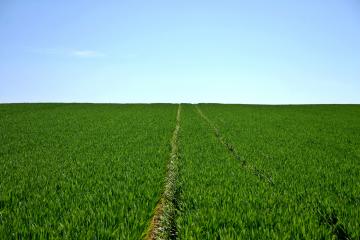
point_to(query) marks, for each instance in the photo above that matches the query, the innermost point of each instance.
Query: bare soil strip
(231, 149)
(162, 224)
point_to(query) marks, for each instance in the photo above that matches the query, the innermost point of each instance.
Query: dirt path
(162, 224)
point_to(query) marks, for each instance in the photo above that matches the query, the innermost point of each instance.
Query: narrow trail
(231, 149)
(162, 224)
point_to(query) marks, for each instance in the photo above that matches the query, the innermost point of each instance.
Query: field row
(258, 172)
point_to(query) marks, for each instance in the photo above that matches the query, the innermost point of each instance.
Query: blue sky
(270, 52)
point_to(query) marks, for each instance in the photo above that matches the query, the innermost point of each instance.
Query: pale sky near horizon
(260, 52)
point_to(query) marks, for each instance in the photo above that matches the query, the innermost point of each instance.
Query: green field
(95, 171)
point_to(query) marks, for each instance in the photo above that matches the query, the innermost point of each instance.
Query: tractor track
(162, 224)
(231, 149)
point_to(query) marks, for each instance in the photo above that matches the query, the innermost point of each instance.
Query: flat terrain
(205, 171)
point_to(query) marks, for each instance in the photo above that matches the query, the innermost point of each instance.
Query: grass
(78, 171)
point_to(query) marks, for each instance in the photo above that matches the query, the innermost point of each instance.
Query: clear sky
(279, 51)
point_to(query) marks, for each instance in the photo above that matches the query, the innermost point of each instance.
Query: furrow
(232, 150)
(162, 225)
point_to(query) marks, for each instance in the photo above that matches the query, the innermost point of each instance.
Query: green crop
(312, 155)
(100, 171)
(80, 170)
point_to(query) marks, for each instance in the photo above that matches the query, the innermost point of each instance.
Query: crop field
(170, 171)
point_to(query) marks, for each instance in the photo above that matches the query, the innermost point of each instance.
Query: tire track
(163, 225)
(231, 149)
(326, 217)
